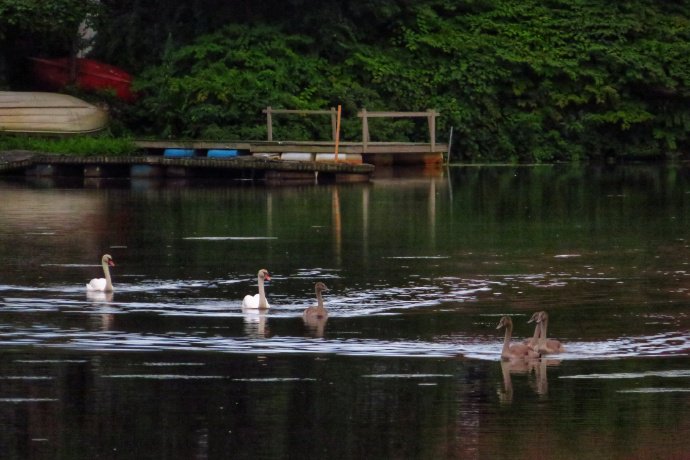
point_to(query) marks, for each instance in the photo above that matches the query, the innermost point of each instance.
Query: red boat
(91, 75)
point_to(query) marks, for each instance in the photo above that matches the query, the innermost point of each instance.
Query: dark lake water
(420, 267)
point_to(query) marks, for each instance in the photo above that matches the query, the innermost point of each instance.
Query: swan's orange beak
(111, 263)
(267, 277)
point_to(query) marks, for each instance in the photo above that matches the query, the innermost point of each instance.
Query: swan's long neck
(506, 338)
(319, 299)
(537, 333)
(108, 281)
(543, 325)
(263, 304)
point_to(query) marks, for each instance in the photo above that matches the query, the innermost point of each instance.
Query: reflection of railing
(365, 115)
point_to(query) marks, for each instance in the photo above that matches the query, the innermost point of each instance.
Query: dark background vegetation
(518, 80)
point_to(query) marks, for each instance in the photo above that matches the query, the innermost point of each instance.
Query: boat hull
(91, 75)
(49, 113)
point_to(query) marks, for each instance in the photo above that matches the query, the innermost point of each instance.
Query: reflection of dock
(241, 167)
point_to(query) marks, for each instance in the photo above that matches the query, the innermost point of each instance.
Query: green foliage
(46, 19)
(523, 81)
(219, 85)
(539, 81)
(40, 28)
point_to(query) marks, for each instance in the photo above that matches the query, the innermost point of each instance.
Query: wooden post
(269, 123)
(334, 125)
(432, 129)
(337, 134)
(450, 143)
(365, 130)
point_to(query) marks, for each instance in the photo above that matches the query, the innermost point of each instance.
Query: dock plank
(11, 160)
(372, 148)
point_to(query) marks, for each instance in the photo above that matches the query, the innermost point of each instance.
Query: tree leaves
(519, 80)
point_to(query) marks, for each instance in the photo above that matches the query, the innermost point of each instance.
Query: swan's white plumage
(103, 284)
(258, 301)
(251, 302)
(97, 284)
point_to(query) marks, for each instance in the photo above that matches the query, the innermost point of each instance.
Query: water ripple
(26, 400)
(202, 297)
(655, 390)
(480, 348)
(68, 313)
(682, 373)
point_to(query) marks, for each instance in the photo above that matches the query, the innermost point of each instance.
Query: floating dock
(376, 153)
(152, 166)
(270, 160)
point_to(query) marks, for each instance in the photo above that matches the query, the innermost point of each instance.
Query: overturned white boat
(49, 113)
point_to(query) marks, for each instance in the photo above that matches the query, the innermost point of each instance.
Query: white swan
(258, 301)
(103, 284)
(318, 311)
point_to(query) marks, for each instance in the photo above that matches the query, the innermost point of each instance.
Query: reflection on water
(98, 297)
(316, 325)
(536, 367)
(419, 270)
(255, 324)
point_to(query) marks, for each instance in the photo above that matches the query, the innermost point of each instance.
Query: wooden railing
(429, 114)
(270, 111)
(365, 115)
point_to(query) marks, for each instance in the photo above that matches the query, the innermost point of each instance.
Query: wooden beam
(334, 123)
(397, 114)
(298, 146)
(269, 111)
(298, 112)
(365, 128)
(269, 122)
(432, 128)
(430, 115)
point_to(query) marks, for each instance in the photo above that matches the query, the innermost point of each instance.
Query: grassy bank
(73, 145)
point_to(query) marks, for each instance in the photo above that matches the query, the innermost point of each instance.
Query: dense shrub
(519, 80)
